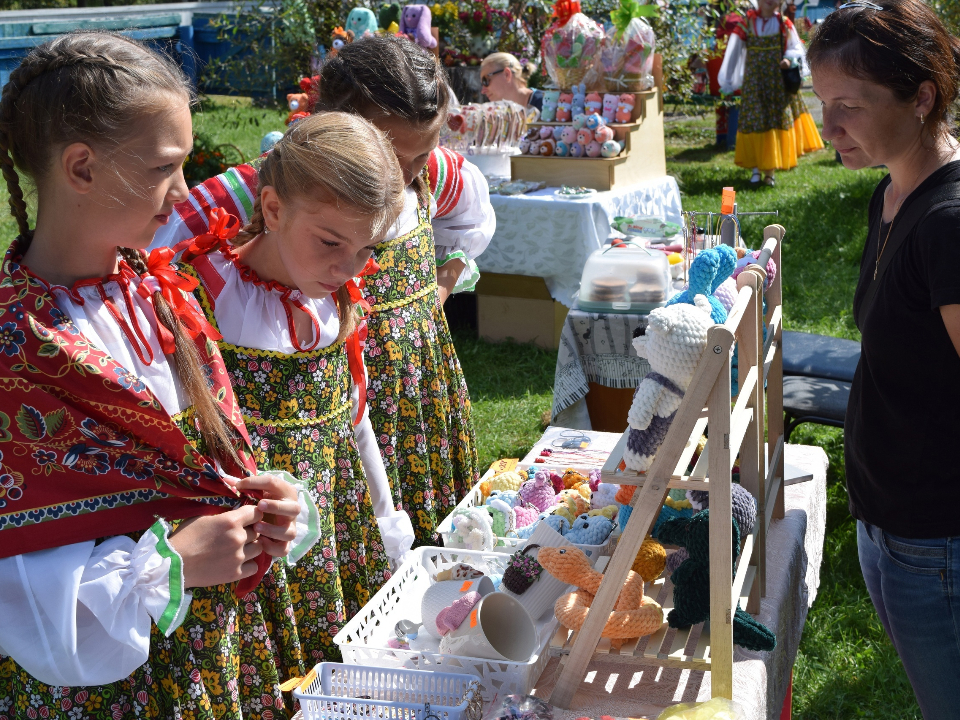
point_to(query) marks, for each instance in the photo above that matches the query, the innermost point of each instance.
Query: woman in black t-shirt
(886, 73)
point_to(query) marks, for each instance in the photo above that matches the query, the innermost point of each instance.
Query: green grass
(846, 667)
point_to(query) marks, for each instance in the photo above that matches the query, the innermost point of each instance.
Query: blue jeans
(915, 587)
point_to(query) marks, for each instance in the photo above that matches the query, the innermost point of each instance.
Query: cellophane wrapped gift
(638, 43)
(571, 53)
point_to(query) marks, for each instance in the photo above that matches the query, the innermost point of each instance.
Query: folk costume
(299, 397)
(774, 128)
(97, 443)
(417, 396)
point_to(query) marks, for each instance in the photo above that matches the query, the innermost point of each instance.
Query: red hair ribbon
(563, 10)
(162, 277)
(358, 338)
(221, 227)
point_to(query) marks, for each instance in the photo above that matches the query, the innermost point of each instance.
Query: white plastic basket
(474, 498)
(363, 640)
(333, 691)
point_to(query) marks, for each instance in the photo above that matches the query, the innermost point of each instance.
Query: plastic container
(363, 640)
(625, 279)
(372, 692)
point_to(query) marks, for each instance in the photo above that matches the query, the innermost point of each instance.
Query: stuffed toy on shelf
(415, 22)
(361, 21)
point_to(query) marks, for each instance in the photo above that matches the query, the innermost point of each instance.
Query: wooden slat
(702, 651)
(559, 640)
(735, 315)
(700, 469)
(691, 447)
(616, 455)
(743, 563)
(748, 582)
(676, 649)
(773, 327)
(739, 422)
(646, 503)
(769, 358)
(603, 647)
(774, 482)
(610, 474)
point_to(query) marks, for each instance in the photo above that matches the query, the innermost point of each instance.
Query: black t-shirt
(536, 100)
(903, 417)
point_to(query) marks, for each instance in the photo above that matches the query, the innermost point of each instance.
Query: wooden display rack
(643, 157)
(705, 405)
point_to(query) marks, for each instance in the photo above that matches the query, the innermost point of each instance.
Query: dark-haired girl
(130, 554)
(417, 395)
(887, 73)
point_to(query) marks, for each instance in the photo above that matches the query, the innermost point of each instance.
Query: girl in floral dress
(282, 296)
(774, 128)
(130, 553)
(419, 404)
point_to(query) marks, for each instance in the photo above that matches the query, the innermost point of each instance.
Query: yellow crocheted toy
(572, 478)
(610, 512)
(677, 504)
(650, 560)
(510, 480)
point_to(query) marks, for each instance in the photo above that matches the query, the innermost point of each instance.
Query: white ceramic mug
(442, 594)
(498, 628)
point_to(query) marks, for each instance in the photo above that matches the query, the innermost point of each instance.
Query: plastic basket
(506, 544)
(363, 640)
(333, 690)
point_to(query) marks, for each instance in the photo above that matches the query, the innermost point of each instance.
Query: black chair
(817, 370)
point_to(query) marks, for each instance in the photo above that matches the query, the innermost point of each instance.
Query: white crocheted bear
(673, 342)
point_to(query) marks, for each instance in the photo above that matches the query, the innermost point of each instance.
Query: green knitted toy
(691, 582)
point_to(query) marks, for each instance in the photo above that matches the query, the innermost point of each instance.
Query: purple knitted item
(539, 492)
(450, 617)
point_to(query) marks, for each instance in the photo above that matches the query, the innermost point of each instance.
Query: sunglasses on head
(485, 80)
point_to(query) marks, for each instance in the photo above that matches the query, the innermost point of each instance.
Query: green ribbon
(628, 10)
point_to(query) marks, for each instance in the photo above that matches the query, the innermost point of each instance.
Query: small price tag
(466, 586)
(505, 465)
(473, 619)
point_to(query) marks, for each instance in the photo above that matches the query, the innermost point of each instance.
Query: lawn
(846, 667)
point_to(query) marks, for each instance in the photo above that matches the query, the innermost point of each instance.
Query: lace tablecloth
(595, 348)
(541, 235)
(794, 553)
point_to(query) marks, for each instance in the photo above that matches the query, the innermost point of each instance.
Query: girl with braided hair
(419, 405)
(282, 294)
(131, 555)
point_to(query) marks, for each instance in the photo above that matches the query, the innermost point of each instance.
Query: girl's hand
(784, 64)
(219, 549)
(279, 507)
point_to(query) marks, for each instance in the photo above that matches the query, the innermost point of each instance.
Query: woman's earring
(921, 118)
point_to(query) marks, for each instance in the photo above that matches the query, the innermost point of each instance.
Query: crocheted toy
(361, 21)
(726, 293)
(502, 519)
(539, 492)
(522, 571)
(472, 529)
(525, 515)
(610, 102)
(673, 342)
(339, 38)
(669, 511)
(625, 107)
(415, 22)
(634, 614)
(588, 530)
(743, 504)
(524, 533)
(571, 478)
(751, 256)
(510, 480)
(510, 497)
(579, 100)
(708, 269)
(651, 559)
(604, 495)
(610, 512)
(551, 99)
(559, 523)
(691, 582)
(388, 15)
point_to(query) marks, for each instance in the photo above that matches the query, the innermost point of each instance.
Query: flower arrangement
(445, 17)
(208, 160)
(480, 19)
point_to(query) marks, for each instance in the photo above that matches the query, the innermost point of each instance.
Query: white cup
(443, 594)
(498, 628)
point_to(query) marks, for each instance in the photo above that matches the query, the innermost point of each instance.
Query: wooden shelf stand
(736, 426)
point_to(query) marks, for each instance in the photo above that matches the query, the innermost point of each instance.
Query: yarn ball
(603, 495)
(650, 560)
(539, 492)
(269, 140)
(507, 481)
(525, 515)
(588, 530)
(559, 523)
(743, 504)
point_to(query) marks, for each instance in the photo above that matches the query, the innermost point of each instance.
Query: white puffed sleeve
(730, 76)
(795, 51)
(81, 614)
(396, 529)
(465, 230)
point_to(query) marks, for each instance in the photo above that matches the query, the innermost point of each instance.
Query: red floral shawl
(86, 450)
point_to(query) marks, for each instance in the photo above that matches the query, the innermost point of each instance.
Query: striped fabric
(446, 181)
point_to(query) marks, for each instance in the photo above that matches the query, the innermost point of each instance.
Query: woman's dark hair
(98, 88)
(898, 47)
(382, 76)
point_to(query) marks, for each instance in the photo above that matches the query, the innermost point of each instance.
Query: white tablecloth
(760, 680)
(541, 235)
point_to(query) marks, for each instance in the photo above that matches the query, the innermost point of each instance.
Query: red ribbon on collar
(172, 285)
(358, 338)
(221, 227)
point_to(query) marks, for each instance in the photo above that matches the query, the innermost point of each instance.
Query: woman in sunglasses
(502, 77)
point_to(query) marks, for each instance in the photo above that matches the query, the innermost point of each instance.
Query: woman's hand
(784, 64)
(218, 549)
(279, 507)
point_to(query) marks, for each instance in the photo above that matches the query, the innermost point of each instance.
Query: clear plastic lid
(625, 278)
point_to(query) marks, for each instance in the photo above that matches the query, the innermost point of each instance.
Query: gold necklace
(903, 197)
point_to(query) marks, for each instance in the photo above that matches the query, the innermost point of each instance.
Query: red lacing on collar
(288, 296)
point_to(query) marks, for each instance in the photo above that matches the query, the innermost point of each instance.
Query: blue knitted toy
(510, 497)
(709, 269)
(589, 530)
(558, 523)
(666, 513)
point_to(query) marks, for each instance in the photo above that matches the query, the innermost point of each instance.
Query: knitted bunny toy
(415, 21)
(691, 582)
(707, 271)
(539, 491)
(673, 342)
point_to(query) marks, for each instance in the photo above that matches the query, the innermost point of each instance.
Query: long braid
(213, 426)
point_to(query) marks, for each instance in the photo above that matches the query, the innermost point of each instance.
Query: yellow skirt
(770, 150)
(806, 133)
